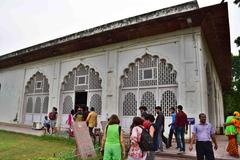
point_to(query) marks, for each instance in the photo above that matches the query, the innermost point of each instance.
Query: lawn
(15, 146)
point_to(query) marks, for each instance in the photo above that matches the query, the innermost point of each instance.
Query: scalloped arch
(75, 69)
(138, 61)
(31, 80)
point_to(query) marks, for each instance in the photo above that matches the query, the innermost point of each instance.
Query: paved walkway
(220, 153)
(20, 129)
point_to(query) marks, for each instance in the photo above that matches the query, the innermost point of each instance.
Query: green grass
(15, 146)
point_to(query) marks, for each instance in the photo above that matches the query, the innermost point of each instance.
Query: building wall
(211, 88)
(183, 49)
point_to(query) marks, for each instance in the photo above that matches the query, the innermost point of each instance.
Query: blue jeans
(180, 137)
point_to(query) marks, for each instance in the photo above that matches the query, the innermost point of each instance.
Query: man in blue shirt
(204, 134)
(172, 129)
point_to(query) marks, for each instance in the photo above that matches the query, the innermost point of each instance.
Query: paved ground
(219, 154)
(21, 129)
(171, 158)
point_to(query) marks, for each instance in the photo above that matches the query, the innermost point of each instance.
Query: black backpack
(146, 141)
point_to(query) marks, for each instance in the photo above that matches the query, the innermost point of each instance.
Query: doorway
(80, 99)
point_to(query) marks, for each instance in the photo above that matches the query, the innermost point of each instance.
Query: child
(46, 124)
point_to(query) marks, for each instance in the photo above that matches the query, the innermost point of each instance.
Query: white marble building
(177, 55)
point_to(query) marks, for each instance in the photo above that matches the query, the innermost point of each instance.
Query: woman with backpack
(135, 152)
(113, 146)
(149, 119)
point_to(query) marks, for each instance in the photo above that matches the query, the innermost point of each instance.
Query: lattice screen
(168, 101)
(31, 84)
(45, 105)
(130, 105)
(148, 100)
(90, 75)
(166, 74)
(67, 105)
(68, 84)
(96, 102)
(131, 78)
(82, 87)
(94, 80)
(157, 73)
(31, 92)
(37, 108)
(82, 70)
(148, 61)
(46, 85)
(29, 108)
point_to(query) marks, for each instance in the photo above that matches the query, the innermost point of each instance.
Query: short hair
(55, 109)
(143, 108)
(158, 107)
(180, 107)
(150, 117)
(173, 108)
(137, 121)
(92, 109)
(114, 119)
(201, 114)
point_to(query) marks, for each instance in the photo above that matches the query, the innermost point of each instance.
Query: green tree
(231, 99)
(237, 2)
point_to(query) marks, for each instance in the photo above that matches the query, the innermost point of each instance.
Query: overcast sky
(24, 23)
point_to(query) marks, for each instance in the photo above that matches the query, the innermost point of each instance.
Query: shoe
(181, 152)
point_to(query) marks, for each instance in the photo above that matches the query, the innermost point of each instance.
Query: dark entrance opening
(80, 99)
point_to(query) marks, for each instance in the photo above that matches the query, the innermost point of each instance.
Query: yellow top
(92, 119)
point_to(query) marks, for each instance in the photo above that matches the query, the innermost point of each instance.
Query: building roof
(213, 21)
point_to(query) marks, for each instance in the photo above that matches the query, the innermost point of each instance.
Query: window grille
(168, 101)
(67, 105)
(38, 85)
(37, 108)
(130, 105)
(96, 102)
(94, 80)
(81, 80)
(69, 82)
(150, 72)
(46, 86)
(29, 108)
(131, 77)
(45, 105)
(148, 100)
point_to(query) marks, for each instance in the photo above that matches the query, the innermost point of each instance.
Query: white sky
(24, 23)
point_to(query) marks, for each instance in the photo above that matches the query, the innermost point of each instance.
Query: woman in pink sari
(70, 123)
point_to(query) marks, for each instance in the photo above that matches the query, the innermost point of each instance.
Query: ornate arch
(36, 97)
(82, 78)
(38, 83)
(148, 71)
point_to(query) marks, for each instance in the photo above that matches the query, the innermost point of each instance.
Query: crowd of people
(113, 143)
(113, 146)
(81, 114)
